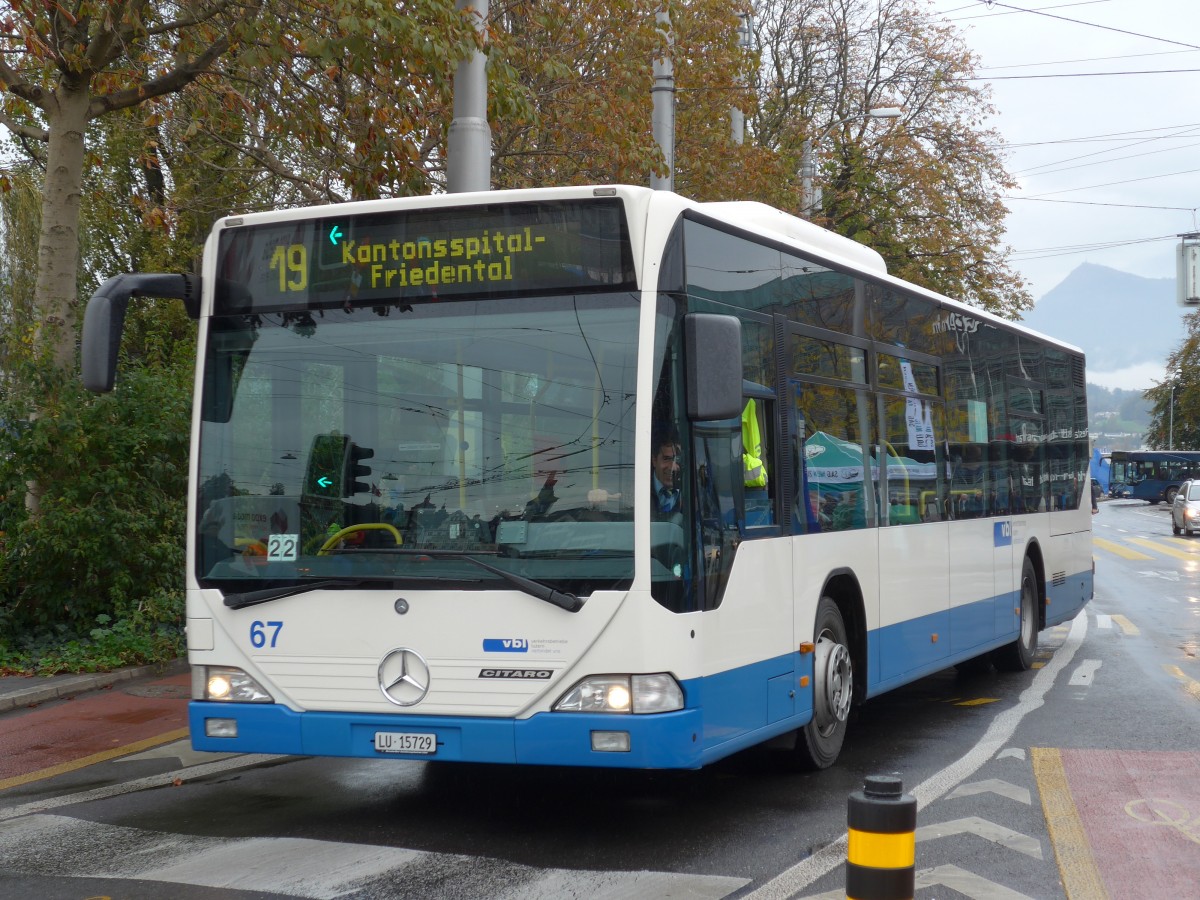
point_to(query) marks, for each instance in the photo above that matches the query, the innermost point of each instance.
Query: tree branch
(25, 131)
(169, 83)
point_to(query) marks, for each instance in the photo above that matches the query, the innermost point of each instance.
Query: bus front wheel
(1018, 656)
(819, 742)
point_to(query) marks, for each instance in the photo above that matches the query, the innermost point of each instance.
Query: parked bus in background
(426, 432)
(1152, 475)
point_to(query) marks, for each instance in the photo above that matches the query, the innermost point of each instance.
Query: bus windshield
(335, 444)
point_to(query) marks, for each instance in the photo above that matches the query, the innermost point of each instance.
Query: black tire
(1171, 492)
(819, 742)
(1018, 656)
(1174, 528)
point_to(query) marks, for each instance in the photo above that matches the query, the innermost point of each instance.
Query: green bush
(104, 553)
(152, 634)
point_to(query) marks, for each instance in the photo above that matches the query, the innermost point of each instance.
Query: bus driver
(664, 477)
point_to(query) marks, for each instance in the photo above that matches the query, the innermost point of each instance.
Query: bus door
(1025, 487)
(914, 561)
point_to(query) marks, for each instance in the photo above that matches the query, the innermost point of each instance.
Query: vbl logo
(506, 645)
(1002, 536)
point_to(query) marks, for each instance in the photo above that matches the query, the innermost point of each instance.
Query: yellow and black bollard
(881, 855)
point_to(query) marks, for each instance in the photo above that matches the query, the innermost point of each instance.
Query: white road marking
(993, 786)
(791, 881)
(320, 870)
(989, 831)
(167, 779)
(1085, 673)
(958, 880)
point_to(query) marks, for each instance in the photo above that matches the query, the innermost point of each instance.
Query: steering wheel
(333, 540)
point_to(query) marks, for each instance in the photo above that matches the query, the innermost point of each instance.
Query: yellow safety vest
(755, 471)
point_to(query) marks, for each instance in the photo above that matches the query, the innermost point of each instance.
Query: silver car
(1185, 510)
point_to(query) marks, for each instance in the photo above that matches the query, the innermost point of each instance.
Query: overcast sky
(1109, 165)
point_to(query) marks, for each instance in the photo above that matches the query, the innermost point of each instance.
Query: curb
(73, 685)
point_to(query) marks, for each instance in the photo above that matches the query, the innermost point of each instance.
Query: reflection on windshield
(501, 428)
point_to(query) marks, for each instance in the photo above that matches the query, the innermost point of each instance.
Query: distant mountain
(1118, 319)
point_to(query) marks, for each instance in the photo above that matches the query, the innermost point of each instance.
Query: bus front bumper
(658, 741)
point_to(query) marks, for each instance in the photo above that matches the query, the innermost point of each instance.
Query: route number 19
(292, 264)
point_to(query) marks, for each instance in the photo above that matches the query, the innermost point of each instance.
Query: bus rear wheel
(1018, 656)
(819, 742)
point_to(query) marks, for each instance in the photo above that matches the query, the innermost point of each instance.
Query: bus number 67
(258, 633)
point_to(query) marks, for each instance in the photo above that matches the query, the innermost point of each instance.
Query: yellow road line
(84, 762)
(1162, 548)
(1081, 879)
(1126, 626)
(1118, 549)
(1189, 684)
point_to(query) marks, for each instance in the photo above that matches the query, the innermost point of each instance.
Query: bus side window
(912, 442)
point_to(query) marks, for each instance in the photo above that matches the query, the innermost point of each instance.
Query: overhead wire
(1127, 138)
(1109, 136)
(1068, 62)
(1191, 209)
(1042, 12)
(1031, 173)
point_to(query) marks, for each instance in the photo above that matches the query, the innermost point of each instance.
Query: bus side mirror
(104, 320)
(713, 354)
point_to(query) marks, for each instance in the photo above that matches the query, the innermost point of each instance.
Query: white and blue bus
(430, 436)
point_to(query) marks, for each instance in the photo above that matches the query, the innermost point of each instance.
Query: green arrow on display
(324, 481)
(334, 234)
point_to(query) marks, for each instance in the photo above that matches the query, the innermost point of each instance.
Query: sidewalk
(19, 692)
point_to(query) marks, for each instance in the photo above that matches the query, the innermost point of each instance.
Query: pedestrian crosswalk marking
(1118, 549)
(1126, 626)
(1189, 684)
(1160, 547)
(320, 870)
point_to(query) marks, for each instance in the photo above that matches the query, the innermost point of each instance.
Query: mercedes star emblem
(404, 677)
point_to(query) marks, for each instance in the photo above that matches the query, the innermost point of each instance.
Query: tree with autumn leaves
(924, 191)
(322, 100)
(1175, 401)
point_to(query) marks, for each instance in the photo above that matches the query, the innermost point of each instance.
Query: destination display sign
(405, 256)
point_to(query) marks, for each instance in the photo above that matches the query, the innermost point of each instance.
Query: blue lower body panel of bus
(661, 741)
(729, 711)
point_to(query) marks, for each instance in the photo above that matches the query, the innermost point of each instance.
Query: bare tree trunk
(56, 305)
(58, 246)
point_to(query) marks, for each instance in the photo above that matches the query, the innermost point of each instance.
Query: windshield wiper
(266, 595)
(561, 599)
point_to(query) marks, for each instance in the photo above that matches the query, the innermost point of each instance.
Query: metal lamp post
(1171, 427)
(811, 192)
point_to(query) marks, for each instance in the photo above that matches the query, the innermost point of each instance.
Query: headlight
(623, 694)
(1191, 512)
(225, 684)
